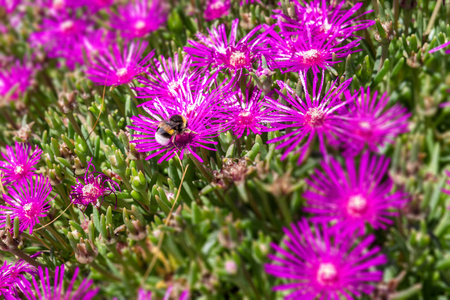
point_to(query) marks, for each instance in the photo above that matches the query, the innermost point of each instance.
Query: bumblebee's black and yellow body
(168, 129)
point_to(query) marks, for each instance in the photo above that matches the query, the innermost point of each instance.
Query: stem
(433, 17)
(58, 237)
(74, 124)
(26, 258)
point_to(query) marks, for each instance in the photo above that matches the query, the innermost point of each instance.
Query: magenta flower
(372, 123)
(325, 19)
(247, 113)
(92, 189)
(16, 79)
(19, 162)
(49, 289)
(166, 77)
(96, 5)
(16, 276)
(27, 201)
(198, 108)
(354, 196)
(97, 42)
(60, 6)
(315, 116)
(216, 9)
(300, 49)
(219, 52)
(138, 18)
(118, 68)
(6, 281)
(61, 36)
(147, 295)
(325, 263)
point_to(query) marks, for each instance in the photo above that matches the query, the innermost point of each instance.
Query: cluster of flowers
(14, 285)
(26, 192)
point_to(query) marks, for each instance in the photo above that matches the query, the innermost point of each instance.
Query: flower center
(67, 26)
(184, 139)
(28, 210)
(139, 25)
(58, 4)
(121, 72)
(238, 59)
(327, 274)
(356, 206)
(314, 117)
(245, 117)
(309, 57)
(19, 170)
(91, 191)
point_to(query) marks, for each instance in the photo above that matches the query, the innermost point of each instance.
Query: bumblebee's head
(179, 121)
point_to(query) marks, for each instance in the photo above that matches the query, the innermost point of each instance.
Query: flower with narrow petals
(216, 9)
(372, 123)
(219, 52)
(147, 295)
(93, 188)
(47, 289)
(325, 262)
(315, 116)
(61, 36)
(198, 108)
(6, 281)
(16, 79)
(19, 162)
(118, 68)
(16, 275)
(354, 196)
(300, 50)
(27, 201)
(138, 18)
(165, 78)
(96, 42)
(246, 113)
(325, 18)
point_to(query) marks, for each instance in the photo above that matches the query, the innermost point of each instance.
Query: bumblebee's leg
(172, 139)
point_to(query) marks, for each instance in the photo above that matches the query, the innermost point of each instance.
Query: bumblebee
(169, 129)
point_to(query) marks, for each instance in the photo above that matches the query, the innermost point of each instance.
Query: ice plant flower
(118, 67)
(198, 108)
(325, 263)
(92, 188)
(301, 50)
(96, 42)
(9, 5)
(16, 79)
(61, 36)
(47, 289)
(372, 123)
(325, 18)
(354, 196)
(16, 273)
(216, 9)
(246, 113)
(219, 52)
(315, 116)
(165, 78)
(19, 162)
(6, 281)
(28, 201)
(138, 18)
(147, 295)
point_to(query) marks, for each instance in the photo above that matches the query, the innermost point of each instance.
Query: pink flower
(314, 116)
(354, 195)
(119, 67)
(325, 262)
(137, 19)
(27, 201)
(216, 9)
(19, 162)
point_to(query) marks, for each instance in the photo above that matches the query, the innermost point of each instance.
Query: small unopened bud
(231, 267)
(85, 252)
